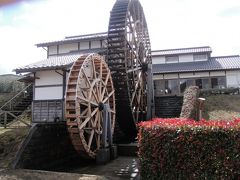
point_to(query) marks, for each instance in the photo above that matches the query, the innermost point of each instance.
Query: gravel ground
(118, 169)
(23, 174)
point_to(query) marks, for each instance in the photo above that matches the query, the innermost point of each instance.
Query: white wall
(84, 45)
(233, 78)
(186, 75)
(170, 76)
(158, 60)
(104, 43)
(185, 58)
(157, 76)
(201, 74)
(183, 75)
(66, 48)
(48, 78)
(95, 44)
(48, 93)
(182, 58)
(196, 75)
(217, 73)
(48, 85)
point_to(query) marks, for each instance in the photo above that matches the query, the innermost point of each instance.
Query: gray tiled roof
(181, 51)
(71, 39)
(215, 63)
(49, 63)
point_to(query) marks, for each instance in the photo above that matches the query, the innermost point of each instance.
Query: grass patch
(222, 106)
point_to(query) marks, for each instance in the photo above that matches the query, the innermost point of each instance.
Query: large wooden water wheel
(89, 86)
(129, 54)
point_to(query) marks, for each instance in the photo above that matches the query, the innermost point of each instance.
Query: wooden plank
(72, 123)
(70, 107)
(11, 114)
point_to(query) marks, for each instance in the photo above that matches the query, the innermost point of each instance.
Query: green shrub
(9, 83)
(208, 92)
(187, 149)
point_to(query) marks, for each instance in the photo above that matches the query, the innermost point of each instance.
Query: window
(199, 56)
(199, 83)
(184, 83)
(171, 87)
(218, 82)
(172, 59)
(203, 83)
(159, 87)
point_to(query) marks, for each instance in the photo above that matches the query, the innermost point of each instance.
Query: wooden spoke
(83, 72)
(79, 99)
(90, 139)
(84, 118)
(105, 84)
(108, 95)
(100, 77)
(112, 111)
(136, 88)
(134, 69)
(89, 83)
(83, 124)
(94, 70)
(83, 113)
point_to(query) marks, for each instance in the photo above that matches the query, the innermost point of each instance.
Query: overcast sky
(171, 24)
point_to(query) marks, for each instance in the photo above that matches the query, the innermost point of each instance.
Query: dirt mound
(11, 139)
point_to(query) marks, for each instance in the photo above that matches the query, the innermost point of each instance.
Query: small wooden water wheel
(89, 87)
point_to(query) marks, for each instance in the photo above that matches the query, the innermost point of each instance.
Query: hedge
(208, 92)
(187, 149)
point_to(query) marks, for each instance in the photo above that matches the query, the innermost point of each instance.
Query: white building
(176, 69)
(50, 75)
(173, 71)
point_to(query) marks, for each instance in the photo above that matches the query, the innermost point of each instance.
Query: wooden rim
(89, 87)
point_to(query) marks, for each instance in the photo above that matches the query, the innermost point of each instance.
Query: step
(129, 149)
(118, 20)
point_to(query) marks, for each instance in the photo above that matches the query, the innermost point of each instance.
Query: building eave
(191, 71)
(75, 39)
(65, 67)
(191, 50)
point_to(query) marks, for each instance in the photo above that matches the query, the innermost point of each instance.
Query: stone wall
(168, 106)
(46, 147)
